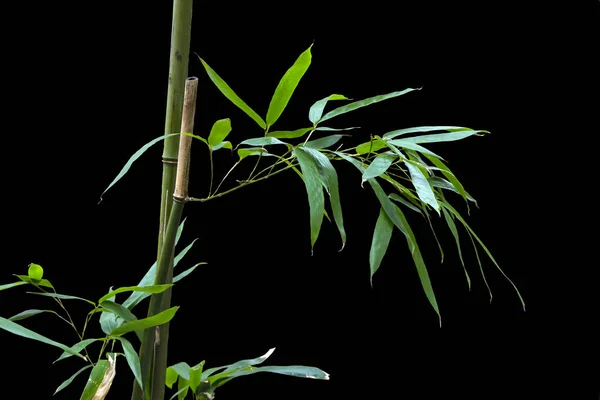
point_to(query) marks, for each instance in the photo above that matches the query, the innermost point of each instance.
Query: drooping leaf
(286, 87)
(153, 289)
(316, 110)
(380, 242)
(223, 145)
(289, 134)
(329, 180)
(448, 174)
(419, 129)
(187, 272)
(454, 231)
(134, 157)
(183, 253)
(70, 380)
(442, 137)
(196, 376)
(41, 282)
(76, 349)
(171, 377)
(200, 138)
(251, 151)
(297, 371)
(29, 313)
(12, 285)
(400, 199)
(327, 129)
(231, 96)
(324, 142)
(442, 183)
(100, 379)
(262, 141)
(363, 103)
(411, 146)
(183, 385)
(489, 254)
(133, 360)
(124, 316)
(35, 272)
(422, 186)
(62, 297)
(182, 369)
(371, 146)
(19, 330)
(314, 189)
(219, 131)
(145, 323)
(379, 165)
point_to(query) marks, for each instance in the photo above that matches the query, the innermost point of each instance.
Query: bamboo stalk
(178, 71)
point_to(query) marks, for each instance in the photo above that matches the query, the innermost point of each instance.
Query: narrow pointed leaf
(35, 272)
(134, 157)
(403, 201)
(297, 371)
(290, 134)
(123, 314)
(324, 142)
(329, 179)
(183, 252)
(422, 186)
(223, 145)
(186, 272)
(314, 189)
(19, 330)
(448, 174)
(12, 285)
(412, 146)
(145, 323)
(133, 360)
(442, 183)
(76, 349)
(62, 297)
(419, 129)
(29, 313)
(442, 137)
(70, 380)
(379, 165)
(380, 242)
(41, 282)
(316, 110)
(326, 129)
(454, 231)
(262, 141)
(153, 289)
(231, 96)
(101, 371)
(219, 131)
(287, 85)
(251, 151)
(489, 254)
(363, 103)
(371, 146)
(200, 138)
(196, 376)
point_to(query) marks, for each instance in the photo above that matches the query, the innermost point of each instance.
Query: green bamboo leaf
(41, 282)
(316, 110)
(231, 96)
(19, 330)
(182, 369)
(379, 165)
(219, 131)
(324, 142)
(314, 189)
(443, 137)
(326, 129)
(223, 145)
(251, 151)
(35, 272)
(363, 103)
(171, 377)
(402, 200)
(422, 186)
(448, 174)
(152, 289)
(489, 254)
(289, 134)
(12, 285)
(435, 236)
(100, 379)
(207, 373)
(286, 87)
(29, 313)
(196, 376)
(183, 253)
(123, 314)
(411, 146)
(134, 157)
(145, 323)
(329, 180)
(76, 349)
(419, 129)
(371, 146)
(133, 360)
(298, 371)
(187, 272)
(262, 141)
(380, 242)
(70, 380)
(454, 231)
(442, 183)
(183, 385)
(62, 297)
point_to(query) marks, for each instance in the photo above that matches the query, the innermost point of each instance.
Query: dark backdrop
(87, 89)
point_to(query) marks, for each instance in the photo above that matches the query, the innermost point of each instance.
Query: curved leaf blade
(324, 142)
(316, 110)
(411, 146)
(62, 297)
(100, 379)
(363, 103)
(381, 240)
(443, 137)
(19, 330)
(187, 272)
(379, 166)
(152, 289)
(314, 189)
(29, 313)
(145, 323)
(12, 285)
(454, 231)
(287, 85)
(419, 129)
(422, 186)
(76, 349)
(262, 141)
(289, 134)
(371, 146)
(133, 360)
(231, 96)
(223, 145)
(219, 131)
(70, 380)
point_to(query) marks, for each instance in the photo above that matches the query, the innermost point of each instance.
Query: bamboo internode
(185, 142)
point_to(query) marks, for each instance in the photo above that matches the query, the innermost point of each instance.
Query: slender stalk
(178, 71)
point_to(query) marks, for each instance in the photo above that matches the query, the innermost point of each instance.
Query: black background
(87, 87)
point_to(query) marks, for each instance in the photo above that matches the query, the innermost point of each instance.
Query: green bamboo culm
(178, 71)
